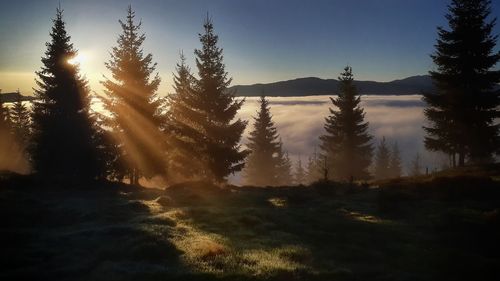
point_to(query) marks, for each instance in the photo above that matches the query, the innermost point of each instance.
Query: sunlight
(79, 59)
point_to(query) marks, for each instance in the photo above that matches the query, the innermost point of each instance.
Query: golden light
(78, 59)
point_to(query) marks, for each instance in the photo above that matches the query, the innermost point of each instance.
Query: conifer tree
(263, 165)
(285, 176)
(416, 166)
(300, 173)
(216, 106)
(346, 143)
(382, 160)
(181, 126)
(132, 101)
(395, 169)
(462, 111)
(21, 121)
(313, 171)
(64, 143)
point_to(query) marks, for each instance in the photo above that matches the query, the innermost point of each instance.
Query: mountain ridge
(314, 86)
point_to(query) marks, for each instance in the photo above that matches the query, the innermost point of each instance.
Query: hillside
(443, 227)
(316, 86)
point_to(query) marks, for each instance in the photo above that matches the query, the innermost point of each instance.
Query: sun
(78, 59)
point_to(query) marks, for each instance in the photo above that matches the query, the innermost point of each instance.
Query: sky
(263, 40)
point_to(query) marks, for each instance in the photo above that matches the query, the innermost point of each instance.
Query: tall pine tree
(382, 160)
(131, 99)
(346, 144)
(64, 143)
(463, 110)
(216, 109)
(263, 164)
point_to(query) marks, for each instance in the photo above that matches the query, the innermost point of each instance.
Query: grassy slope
(426, 228)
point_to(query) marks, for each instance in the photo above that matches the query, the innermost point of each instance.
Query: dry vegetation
(441, 227)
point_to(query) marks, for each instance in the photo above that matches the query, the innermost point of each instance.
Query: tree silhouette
(300, 173)
(216, 107)
(346, 143)
(285, 176)
(395, 169)
(64, 143)
(382, 160)
(313, 168)
(463, 110)
(416, 166)
(21, 121)
(181, 126)
(134, 106)
(263, 165)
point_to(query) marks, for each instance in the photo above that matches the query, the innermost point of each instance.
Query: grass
(439, 227)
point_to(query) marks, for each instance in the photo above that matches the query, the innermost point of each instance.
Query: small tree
(313, 169)
(416, 166)
(285, 176)
(21, 121)
(382, 160)
(395, 169)
(300, 173)
(346, 143)
(263, 165)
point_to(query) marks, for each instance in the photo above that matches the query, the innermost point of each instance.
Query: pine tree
(463, 110)
(346, 143)
(134, 106)
(416, 166)
(64, 143)
(263, 164)
(300, 173)
(21, 121)
(285, 177)
(181, 126)
(313, 171)
(395, 169)
(217, 107)
(382, 161)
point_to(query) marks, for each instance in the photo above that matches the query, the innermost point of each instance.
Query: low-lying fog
(300, 122)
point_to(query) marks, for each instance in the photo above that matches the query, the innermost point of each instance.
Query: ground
(441, 227)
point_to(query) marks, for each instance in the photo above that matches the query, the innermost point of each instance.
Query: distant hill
(12, 97)
(316, 86)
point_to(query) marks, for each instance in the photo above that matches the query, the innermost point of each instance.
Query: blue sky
(263, 40)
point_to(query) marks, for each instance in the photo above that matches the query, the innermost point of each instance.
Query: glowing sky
(263, 40)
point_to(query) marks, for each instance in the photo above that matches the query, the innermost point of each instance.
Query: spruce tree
(346, 144)
(220, 150)
(395, 169)
(462, 111)
(285, 176)
(416, 166)
(300, 173)
(263, 165)
(21, 121)
(382, 160)
(181, 126)
(64, 143)
(313, 171)
(131, 99)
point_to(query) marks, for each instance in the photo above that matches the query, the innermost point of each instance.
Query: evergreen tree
(346, 143)
(395, 169)
(64, 143)
(313, 171)
(382, 161)
(181, 126)
(463, 110)
(216, 108)
(134, 106)
(416, 166)
(300, 173)
(285, 177)
(21, 121)
(264, 163)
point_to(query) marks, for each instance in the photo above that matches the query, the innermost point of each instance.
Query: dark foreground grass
(410, 229)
